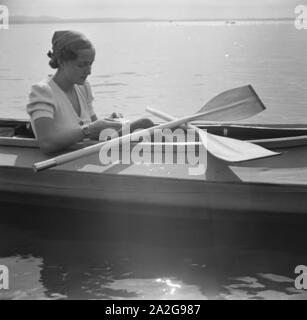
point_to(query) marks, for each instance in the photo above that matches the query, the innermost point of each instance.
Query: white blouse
(48, 100)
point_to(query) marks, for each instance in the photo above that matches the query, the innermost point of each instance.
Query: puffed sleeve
(41, 102)
(89, 98)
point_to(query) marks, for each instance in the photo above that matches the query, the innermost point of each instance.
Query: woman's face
(76, 71)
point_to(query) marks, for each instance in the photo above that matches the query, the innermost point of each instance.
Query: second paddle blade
(234, 104)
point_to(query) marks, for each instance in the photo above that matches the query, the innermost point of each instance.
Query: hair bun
(50, 54)
(53, 63)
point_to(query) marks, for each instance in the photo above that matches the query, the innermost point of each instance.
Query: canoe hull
(273, 189)
(114, 194)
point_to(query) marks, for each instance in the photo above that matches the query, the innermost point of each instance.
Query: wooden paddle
(228, 149)
(238, 100)
(239, 103)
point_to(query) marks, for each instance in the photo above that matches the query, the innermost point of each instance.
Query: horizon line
(47, 19)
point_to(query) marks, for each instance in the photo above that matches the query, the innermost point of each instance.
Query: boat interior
(19, 132)
(16, 128)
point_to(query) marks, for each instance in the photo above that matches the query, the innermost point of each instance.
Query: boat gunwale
(292, 141)
(286, 126)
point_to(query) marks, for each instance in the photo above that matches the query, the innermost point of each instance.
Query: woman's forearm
(61, 140)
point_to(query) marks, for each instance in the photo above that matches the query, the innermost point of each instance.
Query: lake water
(175, 67)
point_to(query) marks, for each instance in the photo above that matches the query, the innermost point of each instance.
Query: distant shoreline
(46, 20)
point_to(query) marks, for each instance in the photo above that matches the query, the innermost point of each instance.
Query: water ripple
(110, 84)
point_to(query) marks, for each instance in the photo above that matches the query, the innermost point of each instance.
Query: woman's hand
(97, 126)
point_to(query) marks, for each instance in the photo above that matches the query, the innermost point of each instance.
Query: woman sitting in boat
(60, 107)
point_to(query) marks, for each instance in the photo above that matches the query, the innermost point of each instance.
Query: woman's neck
(62, 82)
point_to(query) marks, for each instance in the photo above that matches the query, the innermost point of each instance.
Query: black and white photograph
(153, 151)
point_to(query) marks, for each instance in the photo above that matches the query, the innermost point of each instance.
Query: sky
(165, 9)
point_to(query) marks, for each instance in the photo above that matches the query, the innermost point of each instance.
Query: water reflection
(52, 268)
(25, 281)
(156, 289)
(265, 286)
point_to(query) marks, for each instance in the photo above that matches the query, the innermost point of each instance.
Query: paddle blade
(233, 150)
(234, 104)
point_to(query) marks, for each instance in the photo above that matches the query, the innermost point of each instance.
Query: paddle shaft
(167, 117)
(39, 166)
